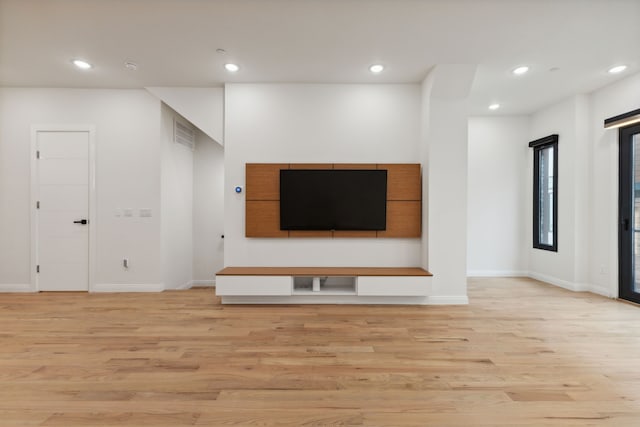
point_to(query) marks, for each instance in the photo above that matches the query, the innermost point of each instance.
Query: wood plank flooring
(521, 354)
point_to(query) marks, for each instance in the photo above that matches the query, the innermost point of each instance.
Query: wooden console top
(323, 271)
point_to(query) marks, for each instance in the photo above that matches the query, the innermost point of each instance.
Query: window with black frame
(545, 193)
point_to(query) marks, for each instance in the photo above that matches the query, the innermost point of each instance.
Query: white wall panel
(497, 167)
(316, 123)
(127, 124)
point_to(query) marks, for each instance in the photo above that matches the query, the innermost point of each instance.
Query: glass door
(629, 239)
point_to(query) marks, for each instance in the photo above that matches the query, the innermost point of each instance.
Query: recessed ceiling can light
(231, 67)
(520, 70)
(83, 65)
(132, 66)
(494, 106)
(617, 69)
(376, 68)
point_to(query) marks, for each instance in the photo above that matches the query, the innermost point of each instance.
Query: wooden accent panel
(262, 180)
(310, 233)
(354, 233)
(311, 166)
(263, 219)
(323, 271)
(403, 219)
(404, 184)
(354, 166)
(403, 181)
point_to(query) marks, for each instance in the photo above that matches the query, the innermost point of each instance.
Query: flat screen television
(333, 199)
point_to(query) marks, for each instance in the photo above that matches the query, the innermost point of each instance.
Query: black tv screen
(333, 199)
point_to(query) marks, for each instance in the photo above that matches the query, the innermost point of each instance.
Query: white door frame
(35, 197)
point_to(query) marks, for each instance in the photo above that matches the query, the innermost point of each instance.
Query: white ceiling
(174, 43)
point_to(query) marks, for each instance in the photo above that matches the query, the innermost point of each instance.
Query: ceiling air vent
(184, 134)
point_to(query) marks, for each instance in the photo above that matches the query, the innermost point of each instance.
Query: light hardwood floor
(521, 354)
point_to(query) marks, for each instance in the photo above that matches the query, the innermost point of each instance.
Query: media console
(323, 285)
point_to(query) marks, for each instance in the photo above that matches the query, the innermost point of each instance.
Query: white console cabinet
(394, 286)
(318, 285)
(253, 285)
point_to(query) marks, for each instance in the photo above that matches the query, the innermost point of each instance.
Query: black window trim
(537, 145)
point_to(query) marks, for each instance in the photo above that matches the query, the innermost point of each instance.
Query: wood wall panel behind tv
(262, 189)
(262, 180)
(403, 219)
(263, 219)
(403, 181)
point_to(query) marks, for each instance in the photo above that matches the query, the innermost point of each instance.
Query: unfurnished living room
(319, 212)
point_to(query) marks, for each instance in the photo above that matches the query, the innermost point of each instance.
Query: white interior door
(63, 214)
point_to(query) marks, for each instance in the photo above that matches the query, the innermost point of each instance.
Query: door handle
(625, 224)
(81, 221)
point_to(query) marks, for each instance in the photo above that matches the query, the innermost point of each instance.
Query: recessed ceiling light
(231, 67)
(132, 66)
(494, 106)
(83, 65)
(376, 68)
(520, 70)
(617, 69)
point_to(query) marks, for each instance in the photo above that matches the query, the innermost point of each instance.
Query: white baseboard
(448, 300)
(324, 299)
(182, 287)
(127, 287)
(21, 287)
(558, 282)
(346, 299)
(565, 284)
(575, 287)
(601, 290)
(497, 273)
(194, 283)
(203, 283)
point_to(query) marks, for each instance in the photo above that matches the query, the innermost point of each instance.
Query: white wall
(200, 177)
(496, 214)
(587, 257)
(202, 106)
(615, 99)
(582, 158)
(568, 119)
(316, 123)
(127, 124)
(425, 95)
(177, 205)
(208, 210)
(447, 204)
(444, 157)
